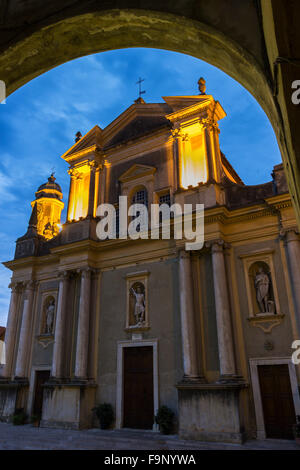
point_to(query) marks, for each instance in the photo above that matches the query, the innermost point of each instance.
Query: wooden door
(277, 401)
(41, 376)
(138, 387)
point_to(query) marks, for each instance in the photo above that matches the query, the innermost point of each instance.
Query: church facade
(144, 323)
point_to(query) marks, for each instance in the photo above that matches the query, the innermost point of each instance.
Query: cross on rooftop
(139, 83)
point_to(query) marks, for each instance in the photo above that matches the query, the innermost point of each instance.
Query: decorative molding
(137, 171)
(266, 322)
(137, 274)
(45, 340)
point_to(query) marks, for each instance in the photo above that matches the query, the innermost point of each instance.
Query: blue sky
(39, 121)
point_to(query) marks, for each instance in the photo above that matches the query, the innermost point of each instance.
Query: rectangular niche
(137, 312)
(260, 279)
(47, 298)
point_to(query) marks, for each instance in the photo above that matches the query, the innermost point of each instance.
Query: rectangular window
(165, 199)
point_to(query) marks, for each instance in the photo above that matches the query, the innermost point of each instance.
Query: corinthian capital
(178, 133)
(210, 124)
(289, 234)
(85, 272)
(14, 286)
(93, 164)
(63, 275)
(217, 245)
(30, 284)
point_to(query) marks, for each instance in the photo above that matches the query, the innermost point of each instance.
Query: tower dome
(50, 189)
(48, 199)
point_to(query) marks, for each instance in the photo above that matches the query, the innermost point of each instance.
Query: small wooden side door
(40, 378)
(277, 401)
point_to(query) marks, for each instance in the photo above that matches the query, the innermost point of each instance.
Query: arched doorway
(224, 39)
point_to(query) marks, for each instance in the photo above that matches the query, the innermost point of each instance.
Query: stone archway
(75, 31)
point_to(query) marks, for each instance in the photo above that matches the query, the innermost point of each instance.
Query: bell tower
(48, 202)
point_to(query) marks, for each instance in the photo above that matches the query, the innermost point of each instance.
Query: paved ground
(29, 437)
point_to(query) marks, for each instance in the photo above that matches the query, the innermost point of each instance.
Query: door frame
(254, 362)
(31, 392)
(120, 378)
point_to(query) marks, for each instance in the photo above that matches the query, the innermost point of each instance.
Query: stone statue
(202, 86)
(262, 284)
(139, 308)
(50, 317)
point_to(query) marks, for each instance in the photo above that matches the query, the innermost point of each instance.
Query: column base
(13, 395)
(210, 412)
(68, 405)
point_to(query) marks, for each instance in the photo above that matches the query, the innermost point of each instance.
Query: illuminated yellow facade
(193, 158)
(79, 192)
(48, 199)
(195, 127)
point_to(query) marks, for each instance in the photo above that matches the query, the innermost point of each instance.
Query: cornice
(92, 149)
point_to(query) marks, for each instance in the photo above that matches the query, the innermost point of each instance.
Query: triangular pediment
(92, 139)
(137, 171)
(136, 121)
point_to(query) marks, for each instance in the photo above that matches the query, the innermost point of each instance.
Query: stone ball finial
(202, 85)
(78, 136)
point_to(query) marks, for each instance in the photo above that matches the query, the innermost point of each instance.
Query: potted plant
(297, 430)
(20, 417)
(35, 420)
(105, 414)
(165, 419)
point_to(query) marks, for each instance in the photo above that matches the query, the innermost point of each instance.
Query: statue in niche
(139, 303)
(262, 286)
(50, 317)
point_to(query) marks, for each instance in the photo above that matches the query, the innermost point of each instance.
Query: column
(104, 175)
(25, 331)
(107, 180)
(225, 340)
(10, 332)
(293, 248)
(83, 325)
(188, 330)
(93, 167)
(176, 133)
(57, 359)
(70, 215)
